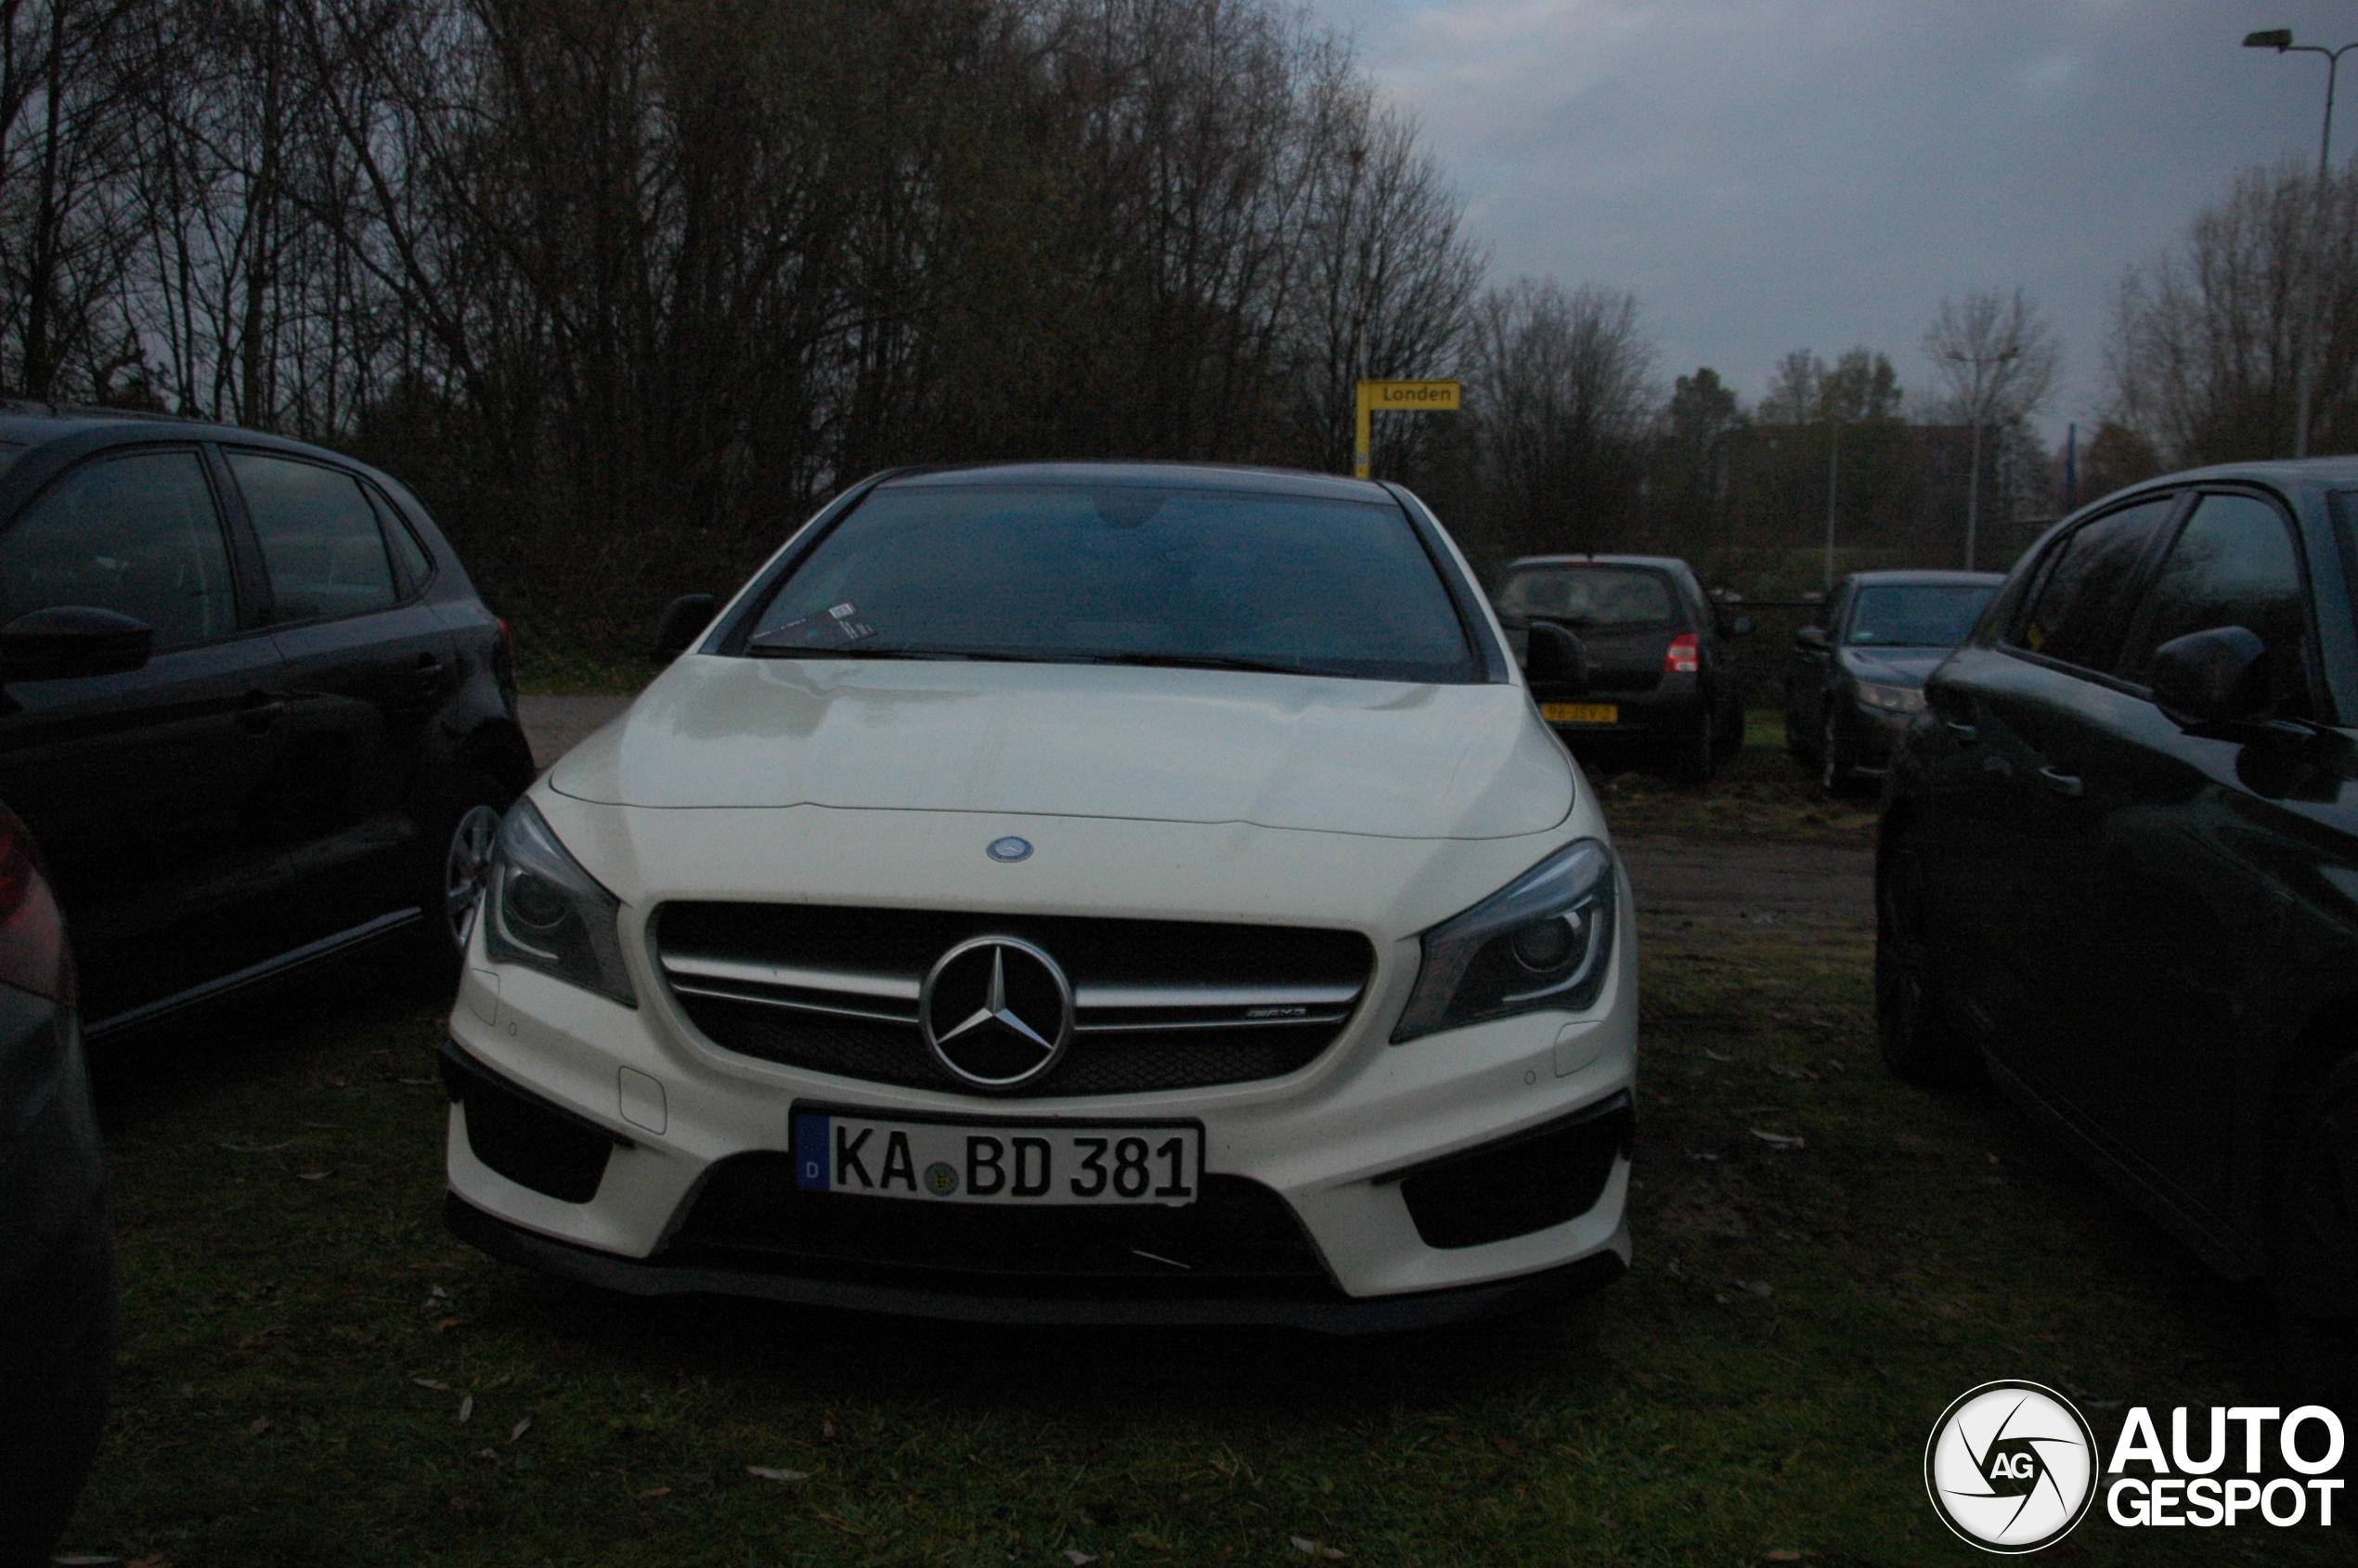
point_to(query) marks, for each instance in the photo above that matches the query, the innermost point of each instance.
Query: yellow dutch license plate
(1580, 713)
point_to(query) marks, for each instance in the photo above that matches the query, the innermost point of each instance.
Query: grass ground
(315, 1373)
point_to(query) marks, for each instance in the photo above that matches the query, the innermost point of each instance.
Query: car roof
(1659, 563)
(1146, 475)
(30, 424)
(37, 424)
(2291, 474)
(1983, 579)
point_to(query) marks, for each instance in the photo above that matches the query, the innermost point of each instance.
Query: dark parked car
(1657, 677)
(57, 1254)
(250, 706)
(2118, 860)
(1856, 675)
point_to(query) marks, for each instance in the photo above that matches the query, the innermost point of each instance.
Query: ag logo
(2011, 1467)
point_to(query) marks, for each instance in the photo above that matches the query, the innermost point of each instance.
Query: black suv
(250, 706)
(2118, 863)
(1656, 676)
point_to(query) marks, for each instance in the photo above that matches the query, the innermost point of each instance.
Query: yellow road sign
(1419, 397)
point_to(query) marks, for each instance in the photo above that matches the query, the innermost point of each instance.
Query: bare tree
(1998, 356)
(2205, 356)
(1561, 384)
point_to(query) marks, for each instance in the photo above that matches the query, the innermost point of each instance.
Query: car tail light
(32, 934)
(1685, 656)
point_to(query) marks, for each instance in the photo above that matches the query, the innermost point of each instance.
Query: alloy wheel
(464, 869)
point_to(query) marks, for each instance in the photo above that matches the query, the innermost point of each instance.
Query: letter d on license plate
(1000, 1162)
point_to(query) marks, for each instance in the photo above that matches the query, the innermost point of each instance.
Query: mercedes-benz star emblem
(1009, 848)
(997, 1012)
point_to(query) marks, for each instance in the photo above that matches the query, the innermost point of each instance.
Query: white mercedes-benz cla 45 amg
(1065, 893)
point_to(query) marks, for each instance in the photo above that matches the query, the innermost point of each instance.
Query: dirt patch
(1750, 882)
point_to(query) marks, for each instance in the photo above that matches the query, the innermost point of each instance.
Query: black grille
(524, 1138)
(750, 1214)
(1525, 1183)
(1146, 1034)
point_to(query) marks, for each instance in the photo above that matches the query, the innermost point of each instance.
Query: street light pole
(2280, 40)
(1978, 413)
(1833, 478)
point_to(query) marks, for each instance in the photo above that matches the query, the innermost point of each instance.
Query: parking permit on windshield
(840, 624)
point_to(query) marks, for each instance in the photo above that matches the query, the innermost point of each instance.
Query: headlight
(544, 911)
(1541, 941)
(1891, 699)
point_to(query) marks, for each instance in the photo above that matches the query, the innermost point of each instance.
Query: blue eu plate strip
(810, 1134)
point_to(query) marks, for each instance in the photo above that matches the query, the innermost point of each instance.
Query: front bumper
(670, 1143)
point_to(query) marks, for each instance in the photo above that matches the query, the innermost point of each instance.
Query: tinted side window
(2234, 565)
(137, 535)
(410, 557)
(320, 537)
(2075, 613)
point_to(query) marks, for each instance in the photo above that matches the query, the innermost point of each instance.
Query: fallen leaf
(1507, 1446)
(1147, 1540)
(1314, 1549)
(768, 1474)
(444, 1324)
(1758, 1287)
(1781, 1555)
(260, 1149)
(1077, 1557)
(429, 1382)
(335, 1083)
(826, 1431)
(466, 1409)
(416, 1082)
(261, 1425)
(311, 1175)
(1778, 1140)
(1717, 1056)
(521, 1428)
(656, 1492)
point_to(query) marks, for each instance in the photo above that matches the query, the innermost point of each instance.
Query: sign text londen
(1426, 396)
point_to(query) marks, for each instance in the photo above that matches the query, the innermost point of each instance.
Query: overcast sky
(1773, 175)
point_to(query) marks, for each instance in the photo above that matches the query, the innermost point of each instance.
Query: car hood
(1894, 667)
(1284, 751)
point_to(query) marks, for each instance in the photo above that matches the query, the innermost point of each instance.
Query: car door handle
(1962, 731)
(260, 710)
(429, 674)
(2062, 784)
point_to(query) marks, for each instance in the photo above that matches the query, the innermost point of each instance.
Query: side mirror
(1740, 626)
(70, 639)
(1554, 657)
(683, 620)
(1812, 640)
(2215, 677)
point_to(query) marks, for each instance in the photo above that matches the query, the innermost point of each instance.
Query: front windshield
(1618, 597)
(1916, 615)
(1126, 574)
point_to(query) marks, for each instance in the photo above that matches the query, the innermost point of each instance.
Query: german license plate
(1039, 1163)
(1580, 713)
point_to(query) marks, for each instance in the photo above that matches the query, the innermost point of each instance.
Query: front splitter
(1380, 1315)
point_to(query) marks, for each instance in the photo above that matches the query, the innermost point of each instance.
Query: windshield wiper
(1202, 661)
(954, 655)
